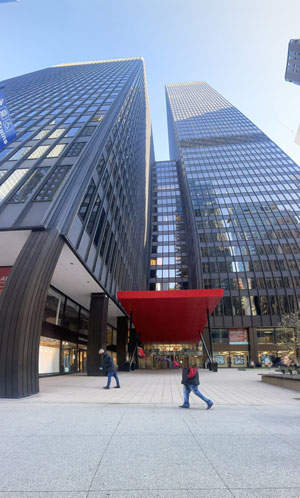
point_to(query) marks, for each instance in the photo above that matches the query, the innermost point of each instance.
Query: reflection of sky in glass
(4, 152)
(21, 152)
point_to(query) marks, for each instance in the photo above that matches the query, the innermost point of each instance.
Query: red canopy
(170, 316)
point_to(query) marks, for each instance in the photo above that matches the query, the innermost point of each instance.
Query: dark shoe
(106, 387)
(209, 405)
(185, 405)
(117, 387)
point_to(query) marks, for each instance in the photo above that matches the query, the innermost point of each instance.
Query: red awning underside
(170, 316)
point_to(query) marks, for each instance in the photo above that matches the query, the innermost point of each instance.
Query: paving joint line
(208, 459)
(112, 435)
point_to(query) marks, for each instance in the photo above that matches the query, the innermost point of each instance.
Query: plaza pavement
(76, 440)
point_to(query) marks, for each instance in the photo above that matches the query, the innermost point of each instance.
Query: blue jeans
(192, 387)
(110, 375)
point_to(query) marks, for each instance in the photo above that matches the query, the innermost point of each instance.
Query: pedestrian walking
(190, 381)
(109, 369)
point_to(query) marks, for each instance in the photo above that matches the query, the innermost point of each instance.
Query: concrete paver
(46, 494)
(76, 440)
(227, 387)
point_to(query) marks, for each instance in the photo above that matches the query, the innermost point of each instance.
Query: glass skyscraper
(81, 143)
(292, 72)
(169, 259)
(241, 196)
(86, 211)
(74, 192)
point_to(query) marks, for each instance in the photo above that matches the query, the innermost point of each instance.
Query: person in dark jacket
(190, 381)
(109, 369)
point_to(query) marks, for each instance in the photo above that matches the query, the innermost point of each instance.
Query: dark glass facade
(169, 262)
(74, 189)
(79, 186)
(80, 163)
(242, 192)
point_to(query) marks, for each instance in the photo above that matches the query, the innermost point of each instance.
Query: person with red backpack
(190, 381)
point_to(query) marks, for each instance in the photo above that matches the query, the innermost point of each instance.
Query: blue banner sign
(7, 130)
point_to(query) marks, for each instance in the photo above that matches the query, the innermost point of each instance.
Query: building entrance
(162, 356)
(81, 360)
(68, 357)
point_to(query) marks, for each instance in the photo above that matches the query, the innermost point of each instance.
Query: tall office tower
(292, 72)
(168, 269)
(242, 194)
(74, 192)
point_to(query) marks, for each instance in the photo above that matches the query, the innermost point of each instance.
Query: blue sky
(238, 46)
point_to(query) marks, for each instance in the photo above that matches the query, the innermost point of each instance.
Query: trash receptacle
(126, 366)
(214, 367)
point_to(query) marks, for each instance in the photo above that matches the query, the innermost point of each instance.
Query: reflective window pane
(20, 153)
(11, 182)
(39, 152)
(29, 186)
(56, 151)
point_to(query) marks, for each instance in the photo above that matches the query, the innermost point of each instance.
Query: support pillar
(97, 332)
(253, 351)
(22, 306)
(122, 341)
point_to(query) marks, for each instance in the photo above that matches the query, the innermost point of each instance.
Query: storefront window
(219, 336)
(231, 359)
(114, 357)
(220, 359)
(54, 307)
(109, 337)
(49, 356)
(284, 335)
(265, 359)
(239, 360)
(71, 318)
(265, 336)
(81, 358)
(83, 321)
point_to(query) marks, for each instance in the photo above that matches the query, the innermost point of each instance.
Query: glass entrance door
(81, 360)
(68, 357)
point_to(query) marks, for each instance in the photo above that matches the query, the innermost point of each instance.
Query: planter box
(282, 380)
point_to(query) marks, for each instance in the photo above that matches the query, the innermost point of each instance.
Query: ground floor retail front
(64, 351)
(69, 325)
(61, 357)
(229, 348)
(64, 337)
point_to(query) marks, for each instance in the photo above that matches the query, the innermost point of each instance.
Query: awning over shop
(170, 316)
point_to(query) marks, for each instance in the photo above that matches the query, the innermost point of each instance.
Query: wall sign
(4, 272)
(7, 130)
(238, 336)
